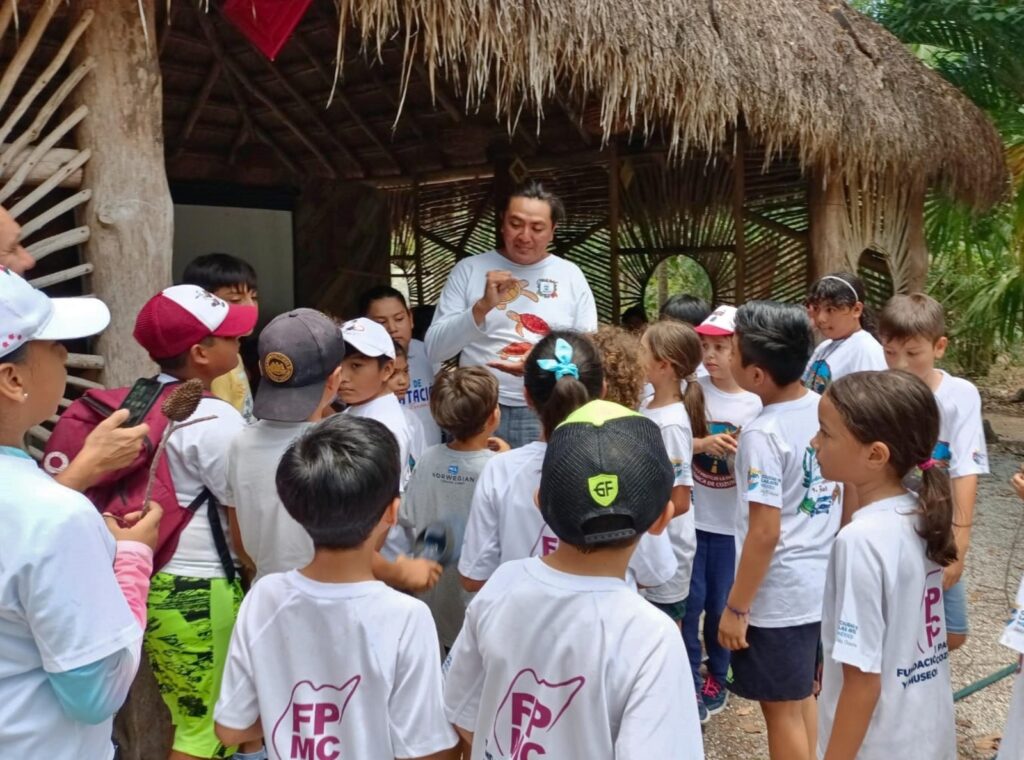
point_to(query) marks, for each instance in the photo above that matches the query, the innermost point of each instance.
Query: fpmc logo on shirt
(528, 713)
(310, 725)
(931, 640)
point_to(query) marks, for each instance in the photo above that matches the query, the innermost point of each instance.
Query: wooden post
(613, 230)
(739, 193)
(827, 207)
(917, 248)
(417, 245)
(130, 214)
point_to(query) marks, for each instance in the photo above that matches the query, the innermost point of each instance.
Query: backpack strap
(216, 529)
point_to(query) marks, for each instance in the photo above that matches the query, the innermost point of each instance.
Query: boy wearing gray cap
(559, 656)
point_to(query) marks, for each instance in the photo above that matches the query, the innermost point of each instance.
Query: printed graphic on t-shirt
(820, 494)
(311, 723)
(818, 376)
(759, 480)
(547, 288)
(418, 393)
(942, 454)
(529, 712)
(711, 471)
(528, 323)
(516, 351)
(518, 288)
(931, 640)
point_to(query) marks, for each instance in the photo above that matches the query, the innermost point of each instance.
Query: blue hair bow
(562, 364)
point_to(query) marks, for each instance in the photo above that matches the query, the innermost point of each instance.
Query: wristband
(736, 612)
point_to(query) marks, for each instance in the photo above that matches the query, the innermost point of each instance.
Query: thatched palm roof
(811, 74)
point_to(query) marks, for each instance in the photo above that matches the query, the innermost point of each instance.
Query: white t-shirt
(883, 614)
(335, 670)
(417, 438)
(961, 445)
(834, 358)
(417, 398)
(1012, 745)
(197, 457)
(505, 522)
(270, 536)
(678, 438)
(553, 294)
(60, 609)
(714, 479)
(777, 467)
(568, 666)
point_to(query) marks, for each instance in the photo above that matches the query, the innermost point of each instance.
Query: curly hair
(623, 368)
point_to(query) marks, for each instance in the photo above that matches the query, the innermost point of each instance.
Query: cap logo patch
(278, 368)
(603, 488)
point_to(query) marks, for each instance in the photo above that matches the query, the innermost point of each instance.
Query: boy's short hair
(912, 316)
(606, 477)
(213, 271)
(379, 293)
(462, 400)
(776, 337)
(337, 479)
(174, 364)
(683, 307)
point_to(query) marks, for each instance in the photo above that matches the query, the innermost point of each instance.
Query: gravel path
(738, 733)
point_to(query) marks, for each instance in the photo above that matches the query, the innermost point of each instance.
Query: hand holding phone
(140, 400)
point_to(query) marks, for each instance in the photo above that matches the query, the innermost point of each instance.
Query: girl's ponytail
(936, 528)
(562, 373)
(693, 400)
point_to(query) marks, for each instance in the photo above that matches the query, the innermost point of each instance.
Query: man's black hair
(776, 337)
(534, 190)
(337, 479)
(213, 271)
(378, 293)
(683, 307)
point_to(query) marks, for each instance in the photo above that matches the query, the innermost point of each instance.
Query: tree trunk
(917, 248)
(130, 214)
(828, 222)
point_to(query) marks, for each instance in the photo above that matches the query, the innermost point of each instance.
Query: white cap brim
(74, 318)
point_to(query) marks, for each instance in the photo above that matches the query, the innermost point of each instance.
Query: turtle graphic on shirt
(516, 351)
(530, 322)
(516, 289)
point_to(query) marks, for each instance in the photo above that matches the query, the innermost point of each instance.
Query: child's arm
(406, 573)
(755, 558)
(681, 499)
(965, 492)
(229, 737)
(719, 445)
(856, 704)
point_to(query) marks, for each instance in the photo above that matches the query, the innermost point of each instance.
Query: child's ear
(494, 420)
(387, 370)
(536, 499)
(659, 525)
(857, 309)
(198, 355)
(12, 382)
(878, 455)
(940, 347)
(391, 513)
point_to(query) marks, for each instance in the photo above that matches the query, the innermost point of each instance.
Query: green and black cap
(606, 475)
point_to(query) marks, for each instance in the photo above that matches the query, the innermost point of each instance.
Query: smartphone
(140, 400)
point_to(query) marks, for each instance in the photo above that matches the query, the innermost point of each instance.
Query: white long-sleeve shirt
(553, 294)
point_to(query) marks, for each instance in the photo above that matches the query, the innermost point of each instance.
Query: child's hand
(1017, 481)
(498, 444)
(137, 526)
(417, 574)
(951, 574)
(732, 631)
(720, 445)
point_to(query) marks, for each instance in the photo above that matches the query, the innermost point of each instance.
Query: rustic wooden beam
(6, 15)
(782, 229)
(439, 92)
(739, 192)
(478, 212)
(613, 229)
(436, 240)
(243, 80)
(250, 127)
(916, 271)
(37, 223)
(677, 250)
(828, 223)
(47, 165)
(197, 106)
(28, 45)
(573, 117)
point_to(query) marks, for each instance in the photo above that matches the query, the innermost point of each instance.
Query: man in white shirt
(300, 362)
(558, 657)
(495, 306)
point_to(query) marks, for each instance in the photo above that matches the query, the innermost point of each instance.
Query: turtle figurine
(530, 322)
(516, 351)
(516, 289)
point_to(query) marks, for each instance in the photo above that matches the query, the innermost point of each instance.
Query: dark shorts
(779, 665)
(675, 610)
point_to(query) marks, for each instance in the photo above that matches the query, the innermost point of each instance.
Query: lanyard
(11, 451)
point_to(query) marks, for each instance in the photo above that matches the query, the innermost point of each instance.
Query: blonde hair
(678, 344)
(623, 370)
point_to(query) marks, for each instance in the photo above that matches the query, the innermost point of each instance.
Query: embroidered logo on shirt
(980, 458)
(310, 724)
(603, 488)
(547, 288)
(277, 367)
(528, 714)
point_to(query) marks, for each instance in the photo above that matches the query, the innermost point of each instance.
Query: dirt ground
(994, 567)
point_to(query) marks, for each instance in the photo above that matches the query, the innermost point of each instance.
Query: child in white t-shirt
(672, 354)
(326, 661)
(841, 316)
(399, 385)
(1012, 744)
(787, 518)
(883, 633)
(561, 373)
(729, 409)
(558, 656)
(913, 330)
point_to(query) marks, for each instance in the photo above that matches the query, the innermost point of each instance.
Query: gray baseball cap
(298, 352)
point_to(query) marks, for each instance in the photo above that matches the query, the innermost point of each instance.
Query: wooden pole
(417, 246)
(917, 248)
(613, 229)
(739, 194)
(130, 213)
(828, 222)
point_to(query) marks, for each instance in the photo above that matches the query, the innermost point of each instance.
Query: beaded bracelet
(736, 612)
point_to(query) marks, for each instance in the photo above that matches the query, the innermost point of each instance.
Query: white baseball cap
(368, 337)
(27, 314)
(721, 322)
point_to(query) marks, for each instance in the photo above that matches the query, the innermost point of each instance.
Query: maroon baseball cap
(177, 318)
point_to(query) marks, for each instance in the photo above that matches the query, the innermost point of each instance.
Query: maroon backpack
(122, 491)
